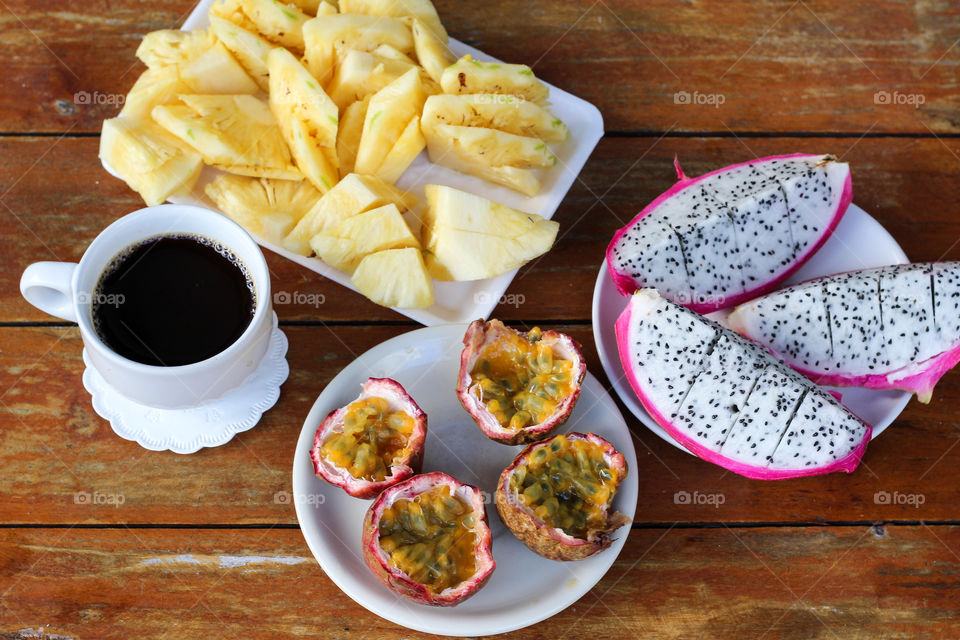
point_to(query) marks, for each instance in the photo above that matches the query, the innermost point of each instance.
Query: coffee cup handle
(49, 287)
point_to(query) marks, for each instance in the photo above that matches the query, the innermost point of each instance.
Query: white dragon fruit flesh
(729, 401)
(730, 235)
(895, 327)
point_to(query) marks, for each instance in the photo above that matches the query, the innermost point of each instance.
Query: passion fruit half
(427, 539)
(556, 496)
(518, 387)
(372, 443)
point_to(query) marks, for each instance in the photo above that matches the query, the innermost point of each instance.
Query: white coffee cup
(66, 289)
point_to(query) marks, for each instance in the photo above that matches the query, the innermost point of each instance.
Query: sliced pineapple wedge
(432, 51)
(447, 152)
(468, 237)
(348, 134)
(358, 74)
(392, 53)
(422, 10)
(151, 161)
(265, 207)
(232, 11)
(217, 71)
(345, 244)
(278, 22)
(307, 118)
(247, 47)
(160, 85)
(353, 195)
(395, 278)
(467, 75)
(496, 111)
(389, 116)
(324, 35)
(173, 46)
(236, 133)
(496, 148)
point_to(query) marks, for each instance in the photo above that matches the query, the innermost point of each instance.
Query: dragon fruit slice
(895, 327)
(729, 401)
(732, 234)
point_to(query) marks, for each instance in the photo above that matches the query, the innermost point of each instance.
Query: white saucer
(859, 242)
(525, 588)
(208, 425)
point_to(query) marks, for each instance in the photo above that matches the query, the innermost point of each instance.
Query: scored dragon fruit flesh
(722, 238)
(729, 401)
(895, 327)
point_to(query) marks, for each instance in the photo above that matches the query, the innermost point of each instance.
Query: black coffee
(173, 300)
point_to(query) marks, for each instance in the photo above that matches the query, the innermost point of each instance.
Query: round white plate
(859, 242)
(525, 588)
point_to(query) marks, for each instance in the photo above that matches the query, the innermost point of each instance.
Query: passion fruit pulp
(373, 442)
(428, 540)
(518, 387)
(557, 495)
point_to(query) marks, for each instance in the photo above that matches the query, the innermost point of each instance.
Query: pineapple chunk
(324, 35)
(312, 6)
(278, 22)
(495, 148)
(468, 237)
(247, 46)
(348, 135)
(407, 147)
(392, 53)
(502, 112)
(217, 71)
(232, 11)
(358, 74)
(151, 161)
(467, 75)
(307, 118)
(265, 207)
(432, 52)
(345, 244)
(160, 85)
(395, 278)
(172, 46)
(352, 195)
(446, 152)
(422, 10)
(388, 118)
(235, 133)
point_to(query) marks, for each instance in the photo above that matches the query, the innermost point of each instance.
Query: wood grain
(56, 199)
(744, 66)
(53, 447)
(844, 582)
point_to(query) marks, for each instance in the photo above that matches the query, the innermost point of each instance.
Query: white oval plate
(525, 588)
(859, 242)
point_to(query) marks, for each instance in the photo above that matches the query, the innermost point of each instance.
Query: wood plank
(53, 446)
(56, 198)
(745, 66)
(837, 582)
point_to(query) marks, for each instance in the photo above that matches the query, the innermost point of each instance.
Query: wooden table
(200, 549)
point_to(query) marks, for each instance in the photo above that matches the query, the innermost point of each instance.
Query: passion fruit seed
(567, 485)
(521, 380)
(430, 538)
(373, 439)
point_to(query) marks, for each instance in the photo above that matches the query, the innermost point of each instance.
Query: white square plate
(458, 302)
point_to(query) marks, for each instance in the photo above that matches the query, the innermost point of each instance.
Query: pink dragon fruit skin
(932, 339)
(782, 264)
(760, 359)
